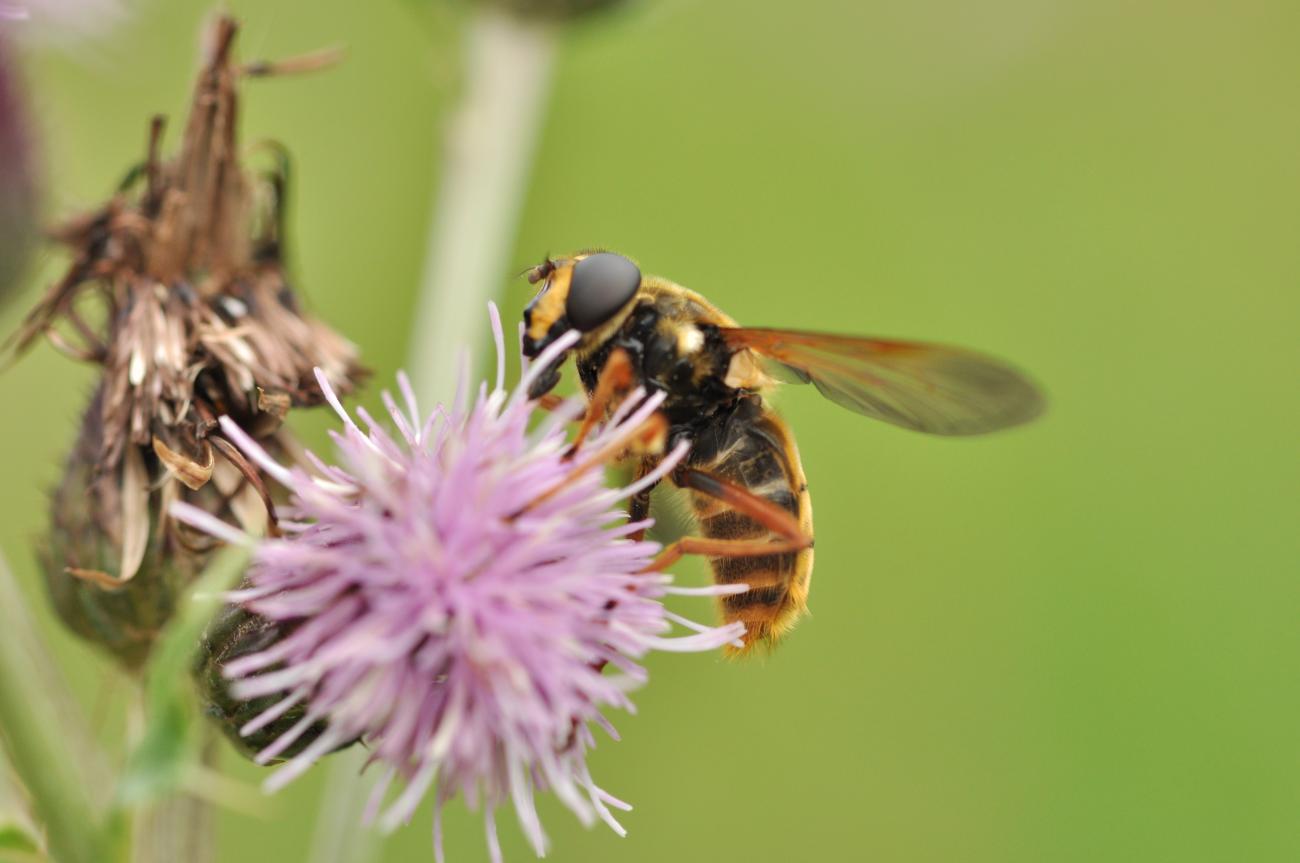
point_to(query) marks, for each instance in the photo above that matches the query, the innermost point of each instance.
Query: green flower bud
(85, 545)
(234, 633)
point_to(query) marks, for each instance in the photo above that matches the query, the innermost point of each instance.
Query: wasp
(742, 471)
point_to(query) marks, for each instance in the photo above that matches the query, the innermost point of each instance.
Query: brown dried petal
(193, 473)
(135, 513)
(275, 404)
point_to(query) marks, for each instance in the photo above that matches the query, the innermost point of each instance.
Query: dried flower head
(199, 320)
(452, 594)
(187, 259)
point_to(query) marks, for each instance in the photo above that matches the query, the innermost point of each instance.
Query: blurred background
(1077, 641)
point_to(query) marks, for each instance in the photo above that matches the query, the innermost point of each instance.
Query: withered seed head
(186, 258)
(199, 320)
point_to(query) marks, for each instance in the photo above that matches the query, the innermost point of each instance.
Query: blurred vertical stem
(486, 155)
(178, 827)
(340, 836)
(16, 823)
(162, 783)
(486, 158)
(50, 752)
(175, 826)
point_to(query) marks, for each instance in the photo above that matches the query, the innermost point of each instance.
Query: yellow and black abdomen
(751, 447)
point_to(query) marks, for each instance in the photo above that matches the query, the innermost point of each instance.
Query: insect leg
(548, 402)
(776, 519)
(638, 506)
(645, 437)
(724, 548)
(616, 378)
(790, 536)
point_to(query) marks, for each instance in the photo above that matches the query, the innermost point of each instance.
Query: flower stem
(486, 158)
(18, 829)
(339, 836)
(177, 827)
(174, 826)
(49, 752)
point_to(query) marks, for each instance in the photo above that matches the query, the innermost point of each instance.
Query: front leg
(638, 506)
(616, 380)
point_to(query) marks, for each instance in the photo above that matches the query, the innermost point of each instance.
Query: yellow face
(589, 292)
(547, 307)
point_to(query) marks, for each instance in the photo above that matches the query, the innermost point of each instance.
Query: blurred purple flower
(65, 21)
(62, 21)
(453, 594)
(17, 178)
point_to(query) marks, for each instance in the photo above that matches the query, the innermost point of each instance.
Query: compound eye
(601, 284)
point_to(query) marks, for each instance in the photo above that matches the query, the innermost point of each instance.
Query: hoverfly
(742, 471)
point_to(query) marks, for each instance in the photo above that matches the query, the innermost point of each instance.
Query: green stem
(339, 836)
(174, 826)
(18, 829)
(37, 735)
(487, 154)
(177, 827)
(170, 823)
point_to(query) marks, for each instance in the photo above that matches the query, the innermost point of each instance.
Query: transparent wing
(924, 387)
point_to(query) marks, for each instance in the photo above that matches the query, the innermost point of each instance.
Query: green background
(1073, 642)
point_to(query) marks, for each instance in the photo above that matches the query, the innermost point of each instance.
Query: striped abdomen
(752, 448)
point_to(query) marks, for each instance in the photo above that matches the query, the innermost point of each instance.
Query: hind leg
(789, 536)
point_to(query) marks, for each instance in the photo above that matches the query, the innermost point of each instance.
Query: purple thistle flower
(454, 592)
(64, 21)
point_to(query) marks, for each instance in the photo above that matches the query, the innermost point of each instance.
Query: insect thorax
(670, 352)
